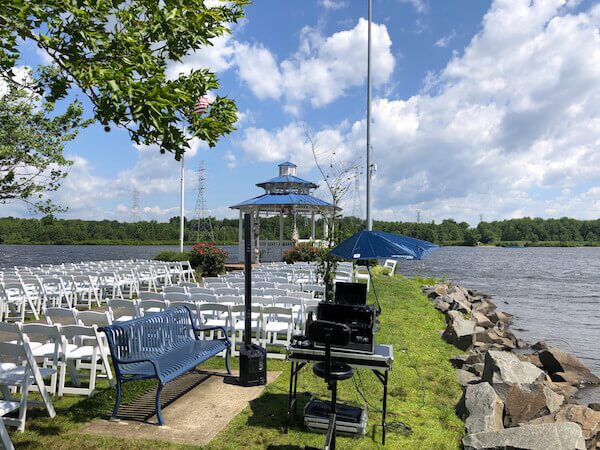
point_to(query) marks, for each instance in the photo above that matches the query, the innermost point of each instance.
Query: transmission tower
(203, 223)
(480, 218)
(356, 208)
(418, 216)
(136, 209)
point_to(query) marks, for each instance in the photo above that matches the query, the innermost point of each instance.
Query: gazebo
(284, 194)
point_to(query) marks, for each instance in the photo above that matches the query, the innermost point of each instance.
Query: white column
(325, 227)
(241, 237)
(257, 237)
(312, 226)
(281, 235)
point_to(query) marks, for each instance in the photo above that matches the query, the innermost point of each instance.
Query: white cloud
(444, 41)
(510, 127)
(332, 4)
(518, 112)
(231, 160)
(322, 70)
(258, 68)
(419, 5)
(217, 57)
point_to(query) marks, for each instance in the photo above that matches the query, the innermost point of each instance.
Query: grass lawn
(422, 394)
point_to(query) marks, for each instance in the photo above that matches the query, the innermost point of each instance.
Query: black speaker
(253, 365)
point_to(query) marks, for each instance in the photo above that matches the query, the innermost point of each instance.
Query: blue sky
(479, 108)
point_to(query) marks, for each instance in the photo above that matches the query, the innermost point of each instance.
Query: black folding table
(380, 362)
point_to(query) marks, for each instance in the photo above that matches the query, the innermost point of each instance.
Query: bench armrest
(225, 331)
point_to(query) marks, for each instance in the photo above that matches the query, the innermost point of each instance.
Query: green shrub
(172, 256)
(301, 252)
(208, 258)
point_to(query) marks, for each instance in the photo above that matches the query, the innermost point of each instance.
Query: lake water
(554, 293)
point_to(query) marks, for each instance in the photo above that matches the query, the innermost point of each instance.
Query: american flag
(202, 104)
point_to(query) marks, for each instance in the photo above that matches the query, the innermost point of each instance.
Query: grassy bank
(422, 393)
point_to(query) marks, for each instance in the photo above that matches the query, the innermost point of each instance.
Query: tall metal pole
(181, 218)
(369, 218)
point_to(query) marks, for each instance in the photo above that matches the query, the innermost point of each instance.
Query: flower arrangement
(301, 252)
(208, 258)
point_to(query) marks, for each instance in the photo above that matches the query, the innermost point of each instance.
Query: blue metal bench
(164, 346)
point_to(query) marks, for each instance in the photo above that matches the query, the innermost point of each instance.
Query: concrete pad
(194, 418)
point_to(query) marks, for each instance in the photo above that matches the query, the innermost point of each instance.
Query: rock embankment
(515, 395)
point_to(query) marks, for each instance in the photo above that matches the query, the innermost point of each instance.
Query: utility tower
(136, 210)
(480, 218)
(356, 208)
(203, 223)
(418, 216)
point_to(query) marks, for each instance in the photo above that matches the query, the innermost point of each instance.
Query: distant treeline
(526, 231)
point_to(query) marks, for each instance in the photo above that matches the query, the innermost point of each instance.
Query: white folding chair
(147, 295)
(277, 321)
(390, 264)
(176, 297)
(25, 375)
(6, 407)
(64, 316)
(122, 310)
(81, 344)
(238, 325)
(148, 307)
(200, 290)
(178, 289)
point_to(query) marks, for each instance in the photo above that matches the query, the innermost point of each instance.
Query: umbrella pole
(374, 290)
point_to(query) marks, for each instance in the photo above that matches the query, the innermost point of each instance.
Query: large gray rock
(526, 402)
(465, 378)
(437, 290)
(506, 368)
(485, 307)
(482, 320)
(484, 408)
(555, 360)
(556, 436)
(586, 418)
(459, 331)
(441, 305)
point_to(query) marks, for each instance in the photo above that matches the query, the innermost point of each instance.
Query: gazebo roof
(288, 179)
(277, 201)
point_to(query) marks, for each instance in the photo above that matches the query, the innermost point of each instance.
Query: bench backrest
(150, 336)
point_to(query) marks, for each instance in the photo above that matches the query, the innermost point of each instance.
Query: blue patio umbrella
(379, 244)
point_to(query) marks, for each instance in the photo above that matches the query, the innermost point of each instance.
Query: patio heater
(253, 358)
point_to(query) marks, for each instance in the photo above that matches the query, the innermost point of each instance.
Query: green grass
(422, 394)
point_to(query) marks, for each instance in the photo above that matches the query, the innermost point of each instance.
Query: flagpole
(181, 216)
(369, 218)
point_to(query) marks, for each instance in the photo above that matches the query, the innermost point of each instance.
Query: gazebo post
(312, 226)
(325, 227)
(256, 229)
(241, 236)
(294, 227)
(281, 233)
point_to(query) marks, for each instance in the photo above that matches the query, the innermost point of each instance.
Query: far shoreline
(503, 244)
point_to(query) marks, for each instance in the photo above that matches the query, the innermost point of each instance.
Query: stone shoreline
(516, 395)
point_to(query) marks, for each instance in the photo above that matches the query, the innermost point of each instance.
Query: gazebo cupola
(285, 194)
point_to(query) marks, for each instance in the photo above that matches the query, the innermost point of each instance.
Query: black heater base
(253, 365)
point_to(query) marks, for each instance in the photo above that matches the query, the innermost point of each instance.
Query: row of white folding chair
(15, 301)
(22, 374)
(268, 322)
(65, 348)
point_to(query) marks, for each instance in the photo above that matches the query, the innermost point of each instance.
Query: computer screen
(351, 293)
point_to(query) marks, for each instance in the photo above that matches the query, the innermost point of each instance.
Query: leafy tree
(116, 52)
(31, 146)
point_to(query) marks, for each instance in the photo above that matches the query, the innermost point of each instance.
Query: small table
(380, 363)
